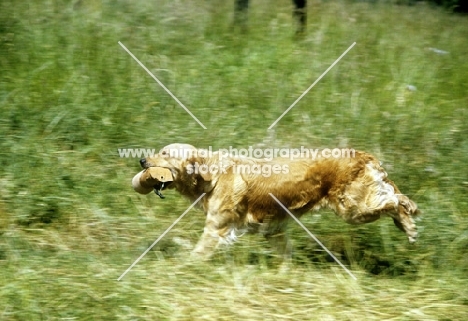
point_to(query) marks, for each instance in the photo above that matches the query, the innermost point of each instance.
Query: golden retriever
(237, 201)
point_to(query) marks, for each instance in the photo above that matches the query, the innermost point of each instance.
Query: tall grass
(70, 96)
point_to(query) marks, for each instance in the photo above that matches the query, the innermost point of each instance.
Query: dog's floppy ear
(197, 166)
(209, 180)
(207, 176)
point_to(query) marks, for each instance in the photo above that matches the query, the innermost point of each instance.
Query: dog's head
(171, 168)
(170, 156)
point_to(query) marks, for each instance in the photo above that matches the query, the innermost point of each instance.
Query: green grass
(70, 96)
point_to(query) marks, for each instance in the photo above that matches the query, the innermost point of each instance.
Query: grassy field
(70, 97)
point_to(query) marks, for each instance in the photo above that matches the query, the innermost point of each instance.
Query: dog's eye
(163, 152)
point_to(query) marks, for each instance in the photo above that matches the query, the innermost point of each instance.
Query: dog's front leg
(207, 244)
(217, 231)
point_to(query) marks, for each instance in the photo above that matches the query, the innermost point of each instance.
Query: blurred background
(71, 97)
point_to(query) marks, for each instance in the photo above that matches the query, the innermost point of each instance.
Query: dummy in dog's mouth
(152, 179)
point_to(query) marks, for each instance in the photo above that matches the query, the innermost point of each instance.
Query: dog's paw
(184, 243)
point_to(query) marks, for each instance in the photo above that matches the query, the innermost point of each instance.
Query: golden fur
(356, 189)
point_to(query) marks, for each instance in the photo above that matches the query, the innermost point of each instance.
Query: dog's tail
(406, 213)
(409, 206)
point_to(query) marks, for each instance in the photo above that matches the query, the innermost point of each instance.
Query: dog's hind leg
(274, 232)
(280, 242)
